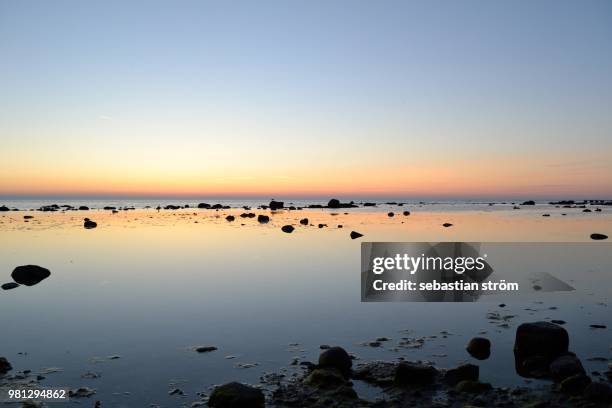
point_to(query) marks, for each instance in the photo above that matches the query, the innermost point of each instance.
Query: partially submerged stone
(30, 275)
(236, 395)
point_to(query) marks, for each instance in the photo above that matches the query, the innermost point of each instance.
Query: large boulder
(336, 357)
(236, 395)
(29, 275)
(408, 373)
(540, 339)
(5, 366)
(565, 366)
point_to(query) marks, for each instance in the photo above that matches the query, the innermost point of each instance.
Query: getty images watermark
(462, 271)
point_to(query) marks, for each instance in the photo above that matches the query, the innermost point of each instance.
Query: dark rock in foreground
(414, 373)
(5, 366)
(335, 203)
(29, 275)
(565, 366)
(10, 285)
(230, 218)
(598, 237)
(304, 221)
(263, 219)
(336, 357)
(236, 395)
(541, 339)
(355, 235)
(466, 372)
(287, 228)
(479, 348)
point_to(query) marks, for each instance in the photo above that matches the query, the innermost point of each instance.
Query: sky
(297, 98)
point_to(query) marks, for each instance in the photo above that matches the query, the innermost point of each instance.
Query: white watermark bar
(473, 271)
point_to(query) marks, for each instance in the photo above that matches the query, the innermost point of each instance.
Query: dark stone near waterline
(205, 349)
(336, 357)
(529, 202)
(287, 228)
(30, 275)
(598, 237)
(276, 205)
(479, 348)
(406, 213)
(5, 366)
(110, 208)
(408, 373)
(230, 218)
(204, 205)
(355, 235)
(4, 208)
(390, 214)
(334, 203)
(304, 221)
(236, 395)
(598, 326)
(89, 224)
(84, 208)
(462, 373)
(541, 343)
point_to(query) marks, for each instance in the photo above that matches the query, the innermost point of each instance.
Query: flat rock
(598, 237)
(236, 395)
(10, 285)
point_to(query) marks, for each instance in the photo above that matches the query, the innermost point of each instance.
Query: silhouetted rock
(565, 366)
(462, 373)
(575, 384)
(230, 218)
(287, 228)
(479, 348)
(29, 275)
(276, 205)
(5, 366)
(447, 224)
(333, 203)
(28, 217)
(538, 344)
(598, 237)
(338, 358)
(322, 225)
(89, 224)
(263, 219)
(172, 207)
(236, 395)
(4, 208)
(390, 214)
(304, 221)
(110, 208)
(597, 326)
(355, 235)
(205, 349)
(10, 285)
(369, 204)
(529, 202)
(598, 392)
(84, 208)
(204, 205)
(408, 373)
(406, 213)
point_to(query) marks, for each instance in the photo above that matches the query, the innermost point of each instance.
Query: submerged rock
(287, 228)
(30, 275)
(10, 285)
(336, 357)
(5, 366)
(236, 395)
(355, 235)
(479, 348)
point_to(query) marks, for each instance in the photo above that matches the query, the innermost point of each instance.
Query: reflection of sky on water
(149, 288)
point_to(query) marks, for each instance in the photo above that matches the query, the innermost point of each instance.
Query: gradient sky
(433, 98)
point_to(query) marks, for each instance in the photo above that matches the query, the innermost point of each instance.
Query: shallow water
(148, 286)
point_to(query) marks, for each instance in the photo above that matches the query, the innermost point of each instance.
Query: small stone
(287, 229)
(82, 392)
(447, 224)
(304, 221)
(263, 219)
(10, 285)
(230, 218)
(406, 213)
(598, 326)
(598, 237)
(205, 349)
(355, 235)
(479, 348)
(390, 214)
(575, 384)
(89, 224)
